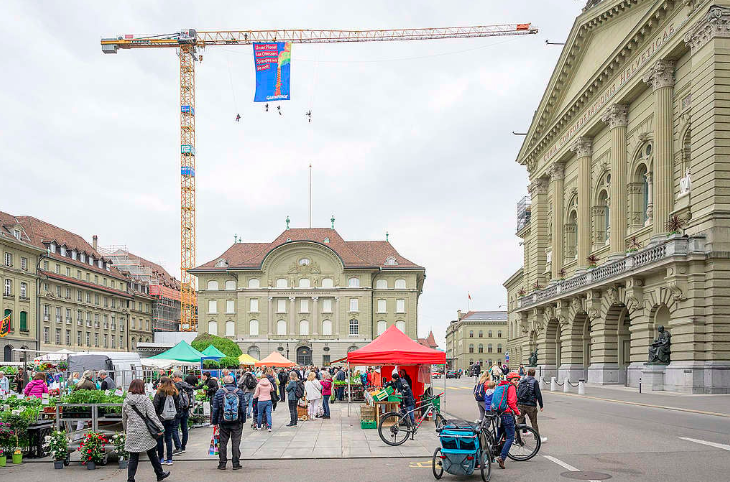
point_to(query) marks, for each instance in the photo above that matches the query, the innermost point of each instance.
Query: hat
(512, 375)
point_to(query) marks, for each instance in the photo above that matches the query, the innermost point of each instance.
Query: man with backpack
(248, 385)
(528, 396)
(229, 414)
(504, 402)
(187, 397)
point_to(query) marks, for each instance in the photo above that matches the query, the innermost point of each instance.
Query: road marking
(420, 465)
(564, 465)
(705, 442)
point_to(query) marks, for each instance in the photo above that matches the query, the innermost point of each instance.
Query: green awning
(181, 352)
(213, 352)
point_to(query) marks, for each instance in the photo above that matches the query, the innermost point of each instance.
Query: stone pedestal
(603, 374)
(652, 378)
(572, 371)
(697, 377)
(546, 371)
(633, 373)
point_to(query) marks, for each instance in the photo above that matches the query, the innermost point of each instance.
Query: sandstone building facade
(309, 294)
(628, 229)
(476, 337)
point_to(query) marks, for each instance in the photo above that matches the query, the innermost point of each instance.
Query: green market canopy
(181, 352)
(213, 352)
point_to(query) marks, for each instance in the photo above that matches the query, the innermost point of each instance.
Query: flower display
(92, 448)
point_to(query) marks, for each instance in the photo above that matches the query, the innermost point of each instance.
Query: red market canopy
(395, 348)
(275, 360)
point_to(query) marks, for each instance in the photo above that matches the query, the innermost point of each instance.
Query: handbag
(214, 442)
(152, 427)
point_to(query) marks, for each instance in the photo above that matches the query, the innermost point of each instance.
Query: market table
(387, 406)
(36, 434)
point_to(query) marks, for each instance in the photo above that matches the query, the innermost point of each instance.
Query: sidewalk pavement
(707, 404)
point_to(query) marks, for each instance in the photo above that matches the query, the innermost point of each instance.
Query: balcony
(648, 259)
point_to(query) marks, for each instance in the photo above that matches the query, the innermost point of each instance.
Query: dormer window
(326, 240)
(16, 233)
(82, 257)
(100, 264)
(91, 261)
(390, 261)
(74, 254)
(304, 262)
(221, 263)
(63, 250)
(52, 247)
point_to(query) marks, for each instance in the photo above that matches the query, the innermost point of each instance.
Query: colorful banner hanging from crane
(273, 66)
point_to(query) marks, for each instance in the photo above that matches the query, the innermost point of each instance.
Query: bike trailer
(459, 447)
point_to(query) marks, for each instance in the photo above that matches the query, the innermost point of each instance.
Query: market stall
(275, 359)
(182, 352)
(246, 359)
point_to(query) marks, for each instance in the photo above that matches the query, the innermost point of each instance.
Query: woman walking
(138, 439)
(167, 408)
(263, 395)
(291, 395)
(313, 389)
(37, 387)
(326, 393)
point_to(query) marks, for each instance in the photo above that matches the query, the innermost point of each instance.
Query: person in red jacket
(508, 416)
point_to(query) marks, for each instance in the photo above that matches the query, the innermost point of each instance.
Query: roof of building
(429, 341)
(163, 276)
(485, 316)
(354, 254)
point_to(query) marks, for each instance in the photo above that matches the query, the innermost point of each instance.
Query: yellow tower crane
(190, 42)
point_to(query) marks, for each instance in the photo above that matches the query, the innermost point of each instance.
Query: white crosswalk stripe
(705, 442)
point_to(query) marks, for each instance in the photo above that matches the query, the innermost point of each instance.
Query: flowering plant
(7, 435)
(119, 440)
(57, 445)
(92, 448)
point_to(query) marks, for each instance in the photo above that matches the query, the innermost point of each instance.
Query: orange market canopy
(394, 347)
(275, 360)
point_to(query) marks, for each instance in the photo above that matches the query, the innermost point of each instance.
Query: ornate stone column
(269, 327)
(661, 79)
(292, 314)
(617, 118)
(337, 317)
(315, 315)
(557, 185)
(583, 148)
(539, 231)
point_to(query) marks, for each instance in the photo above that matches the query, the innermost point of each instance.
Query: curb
(642, 404)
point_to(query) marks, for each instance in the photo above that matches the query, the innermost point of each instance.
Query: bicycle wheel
(485, 465)
(526, 445)
(394, 428)
(439, 420)
(437, 466)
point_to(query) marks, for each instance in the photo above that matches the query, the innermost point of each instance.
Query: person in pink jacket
(37, 387)
(263, 394)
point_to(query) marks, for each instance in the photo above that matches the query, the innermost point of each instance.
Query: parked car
(451, 374)
(436, 375)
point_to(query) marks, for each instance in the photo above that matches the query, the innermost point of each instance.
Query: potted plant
(536, 286)
(592, 261)
(7, 435)
(17, 456)
(634, 245)
(3, 458)
(92, 449)
(561, 273)
(57, 447)
(119, 439)
(521, 292)
(675, 225)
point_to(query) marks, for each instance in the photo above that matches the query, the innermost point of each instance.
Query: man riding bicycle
(408, 402)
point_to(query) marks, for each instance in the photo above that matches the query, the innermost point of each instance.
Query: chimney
(95, 241)
(458, 315)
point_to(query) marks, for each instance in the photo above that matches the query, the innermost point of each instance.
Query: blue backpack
(499, 398)
(478, 392)
(230, 405)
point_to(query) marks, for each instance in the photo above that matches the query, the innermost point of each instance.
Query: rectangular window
(304, 306)
(78, 274)
(79, 295)
(68, 337)
(230, 306)
(23, 290)
(46, 334)
(8, 259)
(58, 336)
(382, 306)
(24, 264)
(8, 288)
(58, 291)
(254, 305)
(45, 265)
(68, 315)
(353, 305)
(46, 310)
(400, 306)
(281, 306)
(105, 341)
(106, 302)
(96, 340)
(114, 341)
(78, 338)
(68, 271)
(79, 317)
(212, 306)
(58, 314)
(58, 268)
(326, 305)
(96, 300)
(88, 297)
(354, 327)
(68, 293)
(88, 339)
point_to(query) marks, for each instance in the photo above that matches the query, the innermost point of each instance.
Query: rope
(559, 384)
(545, 381)
(572, 384)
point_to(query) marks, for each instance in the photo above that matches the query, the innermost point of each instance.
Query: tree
(228, 347)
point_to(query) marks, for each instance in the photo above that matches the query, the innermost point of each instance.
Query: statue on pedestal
(533, 358)
(659, 350)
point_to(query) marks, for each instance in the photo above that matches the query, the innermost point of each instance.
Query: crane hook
(309, 115)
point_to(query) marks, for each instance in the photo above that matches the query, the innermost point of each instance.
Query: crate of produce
(366, 424)
(394, 398)
(390, 390)
(380, 395)
(367, 412)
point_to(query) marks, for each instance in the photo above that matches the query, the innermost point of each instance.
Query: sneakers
(163, 476)
(182, 450)
(237, 467)
(168, 462)
(291, 424)
(269, 429)
(543, 439)
(500, 462)
(221, 466)
(176, 451)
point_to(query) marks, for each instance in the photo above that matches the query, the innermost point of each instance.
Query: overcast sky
(413, 138)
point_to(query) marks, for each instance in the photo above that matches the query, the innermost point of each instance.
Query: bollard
(566, 385)
(581, 388)
(639, 384)
(542, 384)
(553, 384)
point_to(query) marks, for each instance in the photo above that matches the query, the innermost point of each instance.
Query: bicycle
(525, 446)
(395, 427)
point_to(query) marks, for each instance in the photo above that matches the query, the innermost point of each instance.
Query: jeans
(508, 427)
(282, 392)
(181, 423)
(340, 393)
(248, 400)
(264, 410)
(166, 440)
(232, 432)
(134, 461)
(410, 409)
(481, 410)
(293, 411)
(326, 405)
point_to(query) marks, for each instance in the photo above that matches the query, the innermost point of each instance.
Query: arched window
(400, 284)
(489, 348)
(601, 218)
(480, 348)
(230, 285)
(471, 333)
(253, 327)
(254, 352)
(381, 284)
(401, 325)
(253, 283)
(499, 333)
(489, 334)
(353, 282)
(354, 327)
(640, 188)
(134, 343)
(382, 326)
(327, 283)
(481, 333)
(304, 327)
(212, 327)
(471, 348)
(230, 328)
(212, 285)
(571, 231)
(327, 328)
(304, 283)
(499, 348)
(281, 327)
(281, 283)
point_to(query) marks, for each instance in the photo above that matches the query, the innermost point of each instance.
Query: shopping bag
(214, 442)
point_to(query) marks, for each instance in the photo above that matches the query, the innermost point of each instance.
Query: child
(488, 395)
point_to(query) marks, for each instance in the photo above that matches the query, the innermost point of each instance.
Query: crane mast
(189, 42)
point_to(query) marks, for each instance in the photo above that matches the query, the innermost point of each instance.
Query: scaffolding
(523, 212)
(166, 295)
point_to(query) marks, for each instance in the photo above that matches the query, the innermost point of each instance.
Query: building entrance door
(304, 355)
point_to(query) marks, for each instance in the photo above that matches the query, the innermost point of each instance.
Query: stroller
(462, 451)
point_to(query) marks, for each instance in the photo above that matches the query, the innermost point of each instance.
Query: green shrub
(228, 347)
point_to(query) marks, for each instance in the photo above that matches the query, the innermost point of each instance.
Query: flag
(469, 295)
(5, 326)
